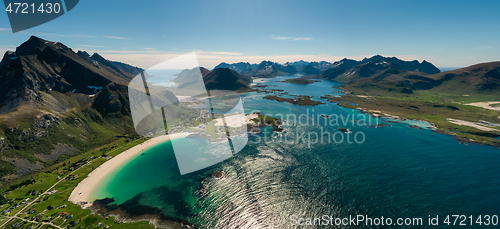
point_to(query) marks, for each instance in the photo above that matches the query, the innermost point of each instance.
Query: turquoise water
(397, 171)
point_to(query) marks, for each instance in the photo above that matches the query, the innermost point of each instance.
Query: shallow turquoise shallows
(397, 171)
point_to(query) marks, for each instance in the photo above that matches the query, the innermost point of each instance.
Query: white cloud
(62, 35)
(118, 38)
(129, 51)
(468, 57)
(208, 59)
(90, 46)
(5, 48)
(281, 38)
(303, 39)
(484, 47)
(219, 53)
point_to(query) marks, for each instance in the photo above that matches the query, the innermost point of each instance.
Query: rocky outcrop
(218, 174)
(46, 121)
(4, 144)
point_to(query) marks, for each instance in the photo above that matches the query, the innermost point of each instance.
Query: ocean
(390, 170)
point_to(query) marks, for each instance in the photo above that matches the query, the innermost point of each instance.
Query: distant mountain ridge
(385, 74)
(379, 75)
(271, 69)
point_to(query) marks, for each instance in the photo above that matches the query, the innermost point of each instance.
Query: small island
(344, 130)
(260, 120)
(302, 100)
(301, 81)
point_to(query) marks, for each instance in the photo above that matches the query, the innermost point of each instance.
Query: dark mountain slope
(378, 66)
(481, 78)
(414, 65)
(380, 74)
(226, 79)
(218, 79)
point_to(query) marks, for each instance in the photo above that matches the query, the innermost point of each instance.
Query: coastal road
(34, 201)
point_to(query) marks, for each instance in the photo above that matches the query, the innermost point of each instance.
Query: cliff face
(226, 79)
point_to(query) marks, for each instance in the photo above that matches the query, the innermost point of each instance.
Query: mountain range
(381, 75)
(323, 68)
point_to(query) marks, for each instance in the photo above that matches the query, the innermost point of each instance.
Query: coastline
(81, 195)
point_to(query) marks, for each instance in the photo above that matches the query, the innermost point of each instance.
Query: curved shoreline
(81, 195)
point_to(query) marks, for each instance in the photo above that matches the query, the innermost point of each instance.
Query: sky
(144, 33)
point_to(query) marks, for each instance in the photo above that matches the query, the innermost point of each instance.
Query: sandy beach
(485, 105)
(82, 193)
(476, 125)
(236, 120)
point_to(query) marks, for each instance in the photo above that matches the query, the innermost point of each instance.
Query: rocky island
(301, 81)
(258, 120)
(301, 100)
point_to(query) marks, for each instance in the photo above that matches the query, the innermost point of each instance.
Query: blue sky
(143, 33)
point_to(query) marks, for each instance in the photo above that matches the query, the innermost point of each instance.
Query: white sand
(471, 124)
(485, 105)
(82, 193)
(236, 120)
